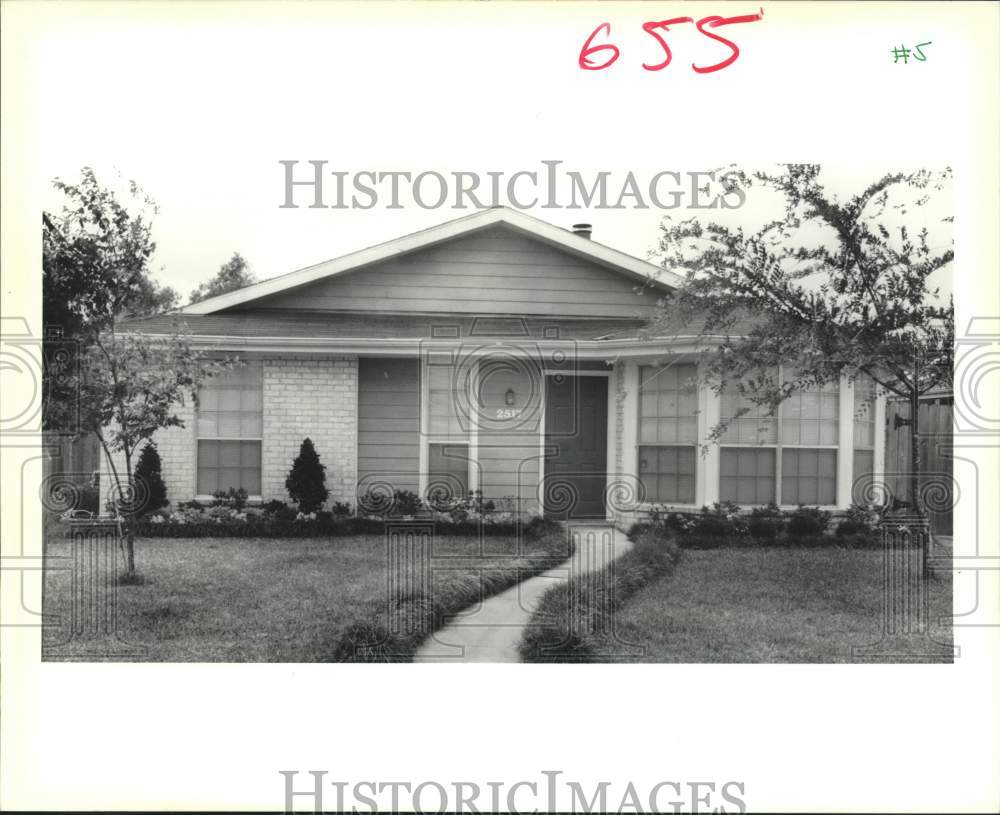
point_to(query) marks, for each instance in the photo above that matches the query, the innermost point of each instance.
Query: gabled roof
(620, 262)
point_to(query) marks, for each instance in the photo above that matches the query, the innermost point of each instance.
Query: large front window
(230, 421)
(668, 432)
(789, 457)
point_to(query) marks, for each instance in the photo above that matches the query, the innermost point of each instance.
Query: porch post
(474, 408)
(879, 487)
(707, 463)
(845, 447)
(630, 424)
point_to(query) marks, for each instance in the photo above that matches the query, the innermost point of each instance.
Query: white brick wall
(315, 397)
(303, 396)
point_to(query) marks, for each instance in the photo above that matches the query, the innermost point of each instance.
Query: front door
(576, 441)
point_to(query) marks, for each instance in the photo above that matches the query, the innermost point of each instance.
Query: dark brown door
(576, 439)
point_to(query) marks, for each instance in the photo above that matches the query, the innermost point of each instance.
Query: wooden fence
(70, 461)
(936, 447)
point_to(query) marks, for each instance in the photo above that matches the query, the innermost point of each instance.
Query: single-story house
(500, 353)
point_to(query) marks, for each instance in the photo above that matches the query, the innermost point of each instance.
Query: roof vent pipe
(583, 230)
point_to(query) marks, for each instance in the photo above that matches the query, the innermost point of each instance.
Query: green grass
(774, 605)
(283, 600)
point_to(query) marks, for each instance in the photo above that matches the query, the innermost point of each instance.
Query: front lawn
(288, 600)
(773, 605)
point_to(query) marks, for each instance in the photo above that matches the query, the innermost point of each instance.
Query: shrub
(807, 523)
(372, 639)
(766, 524)
(860, 520)
(286, 513)
(470, 506)
(232, 498)
(849, 527)
(570, 623)
(340, 510)
(306, 482)
(721, 525)
(377, 503)
(148, 471)
(405, 502)
(287, 522)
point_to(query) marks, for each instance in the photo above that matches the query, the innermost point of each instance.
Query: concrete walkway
(492, 631)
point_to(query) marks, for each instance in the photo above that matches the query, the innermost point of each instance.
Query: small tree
(132, 386)
(831, 287)
(306, 482)
(148, 474)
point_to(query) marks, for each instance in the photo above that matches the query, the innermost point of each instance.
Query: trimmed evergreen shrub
(373, 640)
(149, 471)
(306, 483)
(571, 624)
(766, 524)
(807, 523)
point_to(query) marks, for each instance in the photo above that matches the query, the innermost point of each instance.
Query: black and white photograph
(382, 371)
(499, 439)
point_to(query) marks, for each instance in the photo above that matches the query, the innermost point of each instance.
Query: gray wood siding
(936, 455)
(496, 271)
(388, 423)
(509, 448)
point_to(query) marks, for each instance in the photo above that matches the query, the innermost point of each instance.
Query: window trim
(778, 446)
(426, 439)
(645, 506)
(694, 475)
(196, 409)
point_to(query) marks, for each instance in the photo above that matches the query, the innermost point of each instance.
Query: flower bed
(728, 525)
(229, 516)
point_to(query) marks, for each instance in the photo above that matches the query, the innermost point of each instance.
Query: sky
(202, 117)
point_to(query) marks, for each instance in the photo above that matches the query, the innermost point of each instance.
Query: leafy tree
(96, 256)
(232, 275)
(133, 385)
(829, 288)
(306, 483)
(149, 473)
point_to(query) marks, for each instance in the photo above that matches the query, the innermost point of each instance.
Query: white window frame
(251, 499)
(426, 439)
(699, 432)
(778, 446)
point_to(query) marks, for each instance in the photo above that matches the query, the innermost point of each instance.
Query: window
(789, 457)
(447, 472)
(667, 474)
(808, 476)
(444, 402)
(229, 428)
(447, 431)
(668, 432)
(747, 475)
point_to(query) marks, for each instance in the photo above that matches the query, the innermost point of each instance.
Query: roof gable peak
(566, 240)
